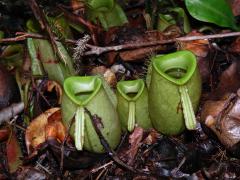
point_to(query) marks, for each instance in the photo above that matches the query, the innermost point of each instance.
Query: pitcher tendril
(131, 116)
(79, 128)
(189, 116)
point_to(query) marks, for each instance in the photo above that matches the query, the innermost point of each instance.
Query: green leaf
(36, 66)
(213, 11)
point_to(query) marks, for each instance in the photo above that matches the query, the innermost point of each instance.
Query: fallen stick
(11, 111)
(97, 50)
(106, 146)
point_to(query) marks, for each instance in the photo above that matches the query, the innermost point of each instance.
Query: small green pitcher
(89, 92)
(174, 92)
(132, 104)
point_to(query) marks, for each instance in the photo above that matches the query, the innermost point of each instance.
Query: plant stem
(189, 116)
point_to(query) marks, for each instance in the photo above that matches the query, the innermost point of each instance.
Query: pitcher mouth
(82, 89)
(176, 67)
(131, 90)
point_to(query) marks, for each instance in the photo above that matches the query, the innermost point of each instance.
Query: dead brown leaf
(14, 153)
(222, 117)
(35, 132)
(199, 47)
(55, 128)
(134, 141)
(152, 137)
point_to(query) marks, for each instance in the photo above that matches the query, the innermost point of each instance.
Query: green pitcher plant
(89, 92)
(132, 104)
(174, 92)
(108, 12)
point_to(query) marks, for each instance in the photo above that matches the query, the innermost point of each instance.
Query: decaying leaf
(134, 141)
(54, 128)
(43, 127)
(152, 137)
(14, 153)
(222, 117)
(199, 47)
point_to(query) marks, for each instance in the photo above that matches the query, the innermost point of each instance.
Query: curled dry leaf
(201, 49)
(46, 125)
(222, 117)
(54, 128)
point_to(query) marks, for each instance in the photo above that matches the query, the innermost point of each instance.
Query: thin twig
(97, 50)
(79, 20)
(40, 16)
(101, 167)
(106, 146)
(11, 111)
